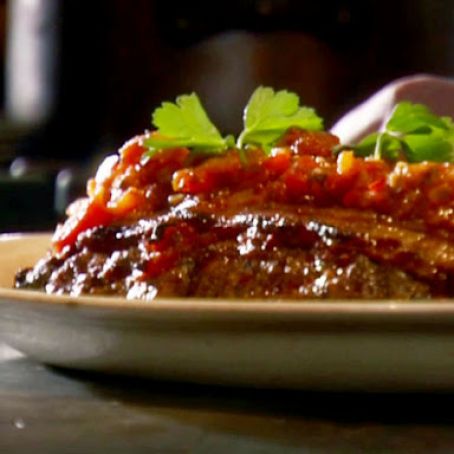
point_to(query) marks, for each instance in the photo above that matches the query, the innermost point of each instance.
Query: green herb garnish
(269, 114)
(185, 124)
(412, 133)
(266, 118)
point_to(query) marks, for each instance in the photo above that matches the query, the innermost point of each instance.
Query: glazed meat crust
(299, 253)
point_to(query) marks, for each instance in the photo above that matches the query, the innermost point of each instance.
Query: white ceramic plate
(312, 345)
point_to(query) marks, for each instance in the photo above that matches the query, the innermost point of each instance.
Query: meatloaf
(299, 223)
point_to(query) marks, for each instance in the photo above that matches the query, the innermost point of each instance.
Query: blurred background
(79, 77)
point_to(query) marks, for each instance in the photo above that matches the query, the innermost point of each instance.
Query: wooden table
(46, 410)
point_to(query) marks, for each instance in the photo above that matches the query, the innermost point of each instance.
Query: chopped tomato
(313, 143)
(89, 214)
(278, 163)
(211, 175)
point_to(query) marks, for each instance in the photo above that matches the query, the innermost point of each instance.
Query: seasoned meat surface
(287, 254)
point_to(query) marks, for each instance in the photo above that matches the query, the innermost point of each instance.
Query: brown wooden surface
(53, 411)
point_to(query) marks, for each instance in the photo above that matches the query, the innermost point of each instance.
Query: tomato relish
(301, 169)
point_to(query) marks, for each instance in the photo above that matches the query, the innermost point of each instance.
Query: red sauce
(301, 170)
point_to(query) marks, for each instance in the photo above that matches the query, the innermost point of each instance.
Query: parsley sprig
(412, 133)
(185, 124)
(269, 114)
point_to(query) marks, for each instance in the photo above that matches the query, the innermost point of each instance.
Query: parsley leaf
(407, 118)
(269, 114)
(185, 124)
(412, 133)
